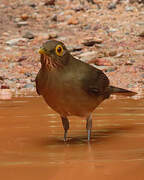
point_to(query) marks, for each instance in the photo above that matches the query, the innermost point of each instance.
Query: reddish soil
(117, 33)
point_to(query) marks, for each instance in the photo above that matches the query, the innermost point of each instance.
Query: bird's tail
(124, 92)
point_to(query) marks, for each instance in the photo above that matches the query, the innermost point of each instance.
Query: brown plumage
(70, 86)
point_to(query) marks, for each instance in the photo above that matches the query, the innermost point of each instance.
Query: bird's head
(53, 54)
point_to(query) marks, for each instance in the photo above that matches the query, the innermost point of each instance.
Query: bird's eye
(59, 50)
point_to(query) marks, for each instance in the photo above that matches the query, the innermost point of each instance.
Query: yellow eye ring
(59, 50)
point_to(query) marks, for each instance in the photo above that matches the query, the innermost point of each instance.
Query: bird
(70, 86)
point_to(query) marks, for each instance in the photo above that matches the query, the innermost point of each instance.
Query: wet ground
(32, 147)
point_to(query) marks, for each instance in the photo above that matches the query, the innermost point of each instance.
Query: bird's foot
(89, 135)
(65, 136)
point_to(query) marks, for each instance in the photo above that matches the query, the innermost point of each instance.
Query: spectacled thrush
(71, 87)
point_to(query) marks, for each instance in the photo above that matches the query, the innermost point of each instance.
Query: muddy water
(32, 147)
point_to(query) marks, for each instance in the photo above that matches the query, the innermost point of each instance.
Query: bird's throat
(50, 63)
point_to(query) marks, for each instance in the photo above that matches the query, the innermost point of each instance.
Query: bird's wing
(37, 87)
(95, 82)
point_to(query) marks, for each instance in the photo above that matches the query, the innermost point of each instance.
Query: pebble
(54, 18)
(24, 17)
(32, 5)
(141, 34)
(22, 23)
(130, 85)
(130, 62)
(12, 65)
(28, 74)
(16, 20)
(8, 48)
(78, 8)
(5, 34)
(88, 55)
(5, 86)
(13, 42)
(112, 6)
(139, 51)
(91, 42)
(1, 78)
(30, 86)
(29, 35)
(74, 48)
(100, 62)
(72, 21)
(142, 75)
(5, 94)
(113, 53)
(112, 30)
(43, 36)
(52, 35)
(129, 8)
(49, 2)
(119, 55)
(22, 58)
(111, 69)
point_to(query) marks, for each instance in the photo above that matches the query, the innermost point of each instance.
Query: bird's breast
(66, 96)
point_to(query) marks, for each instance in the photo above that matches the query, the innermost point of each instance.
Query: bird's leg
(89, 126)
(65, 123)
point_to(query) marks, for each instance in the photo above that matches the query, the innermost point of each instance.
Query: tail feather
(121, 91)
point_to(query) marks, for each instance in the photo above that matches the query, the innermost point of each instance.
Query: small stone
(111, 69)
(16, 20)
(22, 58)
(24, 17)
(75, 48)
(119, 55)
(112, 30)
(100, 62)
(102, 53)
(112, 6)
(32, 5)
(129, 8)
(141, 67)
(12, 65)
(130, 86)
(52, 35)
(113, 53)
(49, 2)
(86, 27)
(139, 51)
(99, 45)
(141, 34)
(5, 34)
(91, 42)
(4, 86)
(72, 21)
(130, 62)
(78, 8)
(30, 86)
(42, 36)
(54, 18)
(5, 94)
(29, 35)
(1, 78)
(28, 74)
(87, 56)
(13, 42)
(91, 1)
(142, 76)
(22, 23)
(8, 48)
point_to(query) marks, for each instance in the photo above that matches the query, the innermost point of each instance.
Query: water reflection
(31, 135)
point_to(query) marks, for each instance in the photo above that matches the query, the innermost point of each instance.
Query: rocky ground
(108, 34)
